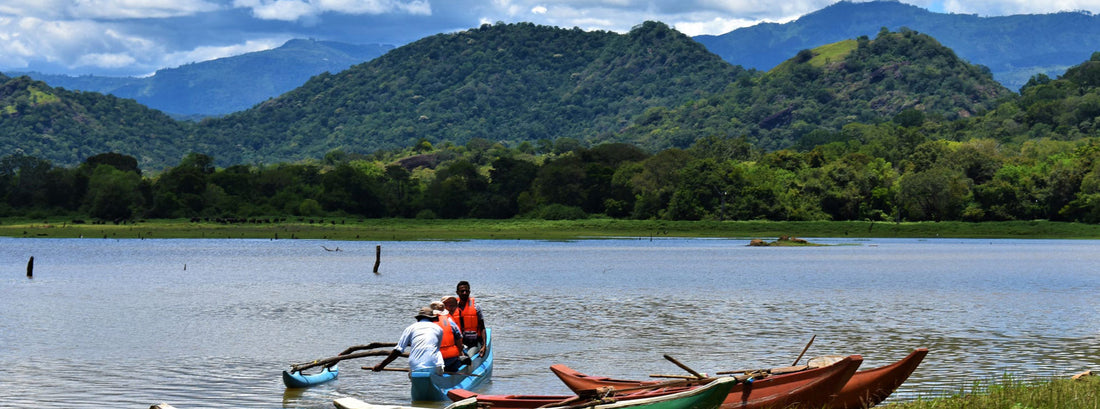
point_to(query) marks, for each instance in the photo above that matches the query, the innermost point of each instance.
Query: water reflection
(117, 323)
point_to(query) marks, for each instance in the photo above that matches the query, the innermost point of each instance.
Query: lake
(212, 323)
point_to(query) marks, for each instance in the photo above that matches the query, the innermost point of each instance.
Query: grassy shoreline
(1011, 393)
(418, 229)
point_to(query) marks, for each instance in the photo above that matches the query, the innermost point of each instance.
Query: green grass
(417, 229)
(1011, 393)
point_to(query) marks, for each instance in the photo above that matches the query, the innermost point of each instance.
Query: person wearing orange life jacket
(469, 319)
(449, 346)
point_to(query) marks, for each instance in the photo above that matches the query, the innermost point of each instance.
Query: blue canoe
(428, 386)
(297, 379)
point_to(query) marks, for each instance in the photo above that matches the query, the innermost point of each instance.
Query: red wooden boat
(812, 388)
(864, 389)
(871, 387)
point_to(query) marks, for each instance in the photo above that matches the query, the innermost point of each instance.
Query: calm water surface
(211, 323)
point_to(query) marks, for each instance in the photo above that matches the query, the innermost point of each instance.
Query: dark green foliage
(68, 127)
(905, 76)
(505, 83)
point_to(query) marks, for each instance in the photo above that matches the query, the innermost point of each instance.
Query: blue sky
(137, 37)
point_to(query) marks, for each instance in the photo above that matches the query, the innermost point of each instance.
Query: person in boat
(451, 344)
(421, 340)
(469, 319)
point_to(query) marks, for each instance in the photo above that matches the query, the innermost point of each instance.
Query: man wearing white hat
(421, 340)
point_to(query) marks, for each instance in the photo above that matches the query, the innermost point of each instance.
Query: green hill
(67, 127)
(1013, 47)
(864, 80)
(503, 82)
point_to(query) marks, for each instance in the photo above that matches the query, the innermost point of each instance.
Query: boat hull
(297, 379)
(429, 386)
(813, 388)
(871, 387)
(707, 396)
(353, 403)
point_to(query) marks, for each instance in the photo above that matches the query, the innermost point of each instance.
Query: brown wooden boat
(812, 388)
(871, 387)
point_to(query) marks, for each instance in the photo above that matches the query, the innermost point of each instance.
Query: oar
(804, 350)
(654, 375)
(611, 391)
(684, 367)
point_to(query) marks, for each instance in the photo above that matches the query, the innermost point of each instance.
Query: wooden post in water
(30, 267)
(377, 257)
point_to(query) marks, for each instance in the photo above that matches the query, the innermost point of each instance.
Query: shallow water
(211, 323)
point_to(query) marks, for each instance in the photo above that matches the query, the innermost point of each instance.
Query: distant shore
(464, 229)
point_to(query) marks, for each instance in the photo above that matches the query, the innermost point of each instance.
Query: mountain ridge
(1041, 43)
(225, 85)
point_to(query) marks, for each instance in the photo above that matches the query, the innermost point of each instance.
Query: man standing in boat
(469, 319)
(421, 340)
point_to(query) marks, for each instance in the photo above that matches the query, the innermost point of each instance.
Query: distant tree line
(884, 172)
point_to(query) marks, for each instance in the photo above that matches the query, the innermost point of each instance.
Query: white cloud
(1007, 7)
(538, 10)
(106, 60)
(293, 10)
(70, 44)
(716, 25)
(120, 9)
(283, 10)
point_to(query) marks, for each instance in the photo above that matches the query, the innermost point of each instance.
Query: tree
(935, 194)
(113, 194)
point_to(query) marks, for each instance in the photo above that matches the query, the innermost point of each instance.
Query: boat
(811, 388)
(871, 387)
(430, 386)
(705, 396)
(353, 403)
(297, 379)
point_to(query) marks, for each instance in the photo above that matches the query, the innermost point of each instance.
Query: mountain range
(1013, 47)
(520, 83)
(225, 85)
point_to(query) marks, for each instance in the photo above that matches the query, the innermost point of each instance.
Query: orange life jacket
(467, 318)
(448, 347)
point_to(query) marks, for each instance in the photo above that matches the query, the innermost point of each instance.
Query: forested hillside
(503, 82)
(1032, 156)
(1013, 47)
(67, 127)
(821, 90)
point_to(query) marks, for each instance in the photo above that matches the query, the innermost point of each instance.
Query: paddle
(804, 350)
(685, 367)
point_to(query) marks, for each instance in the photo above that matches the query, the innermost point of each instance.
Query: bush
(426, 214)
(561, 212)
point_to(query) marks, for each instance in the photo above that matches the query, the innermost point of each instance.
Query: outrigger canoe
(429, 386)
(297, 379)
(706, 396)
(811, 388)
(871, 387)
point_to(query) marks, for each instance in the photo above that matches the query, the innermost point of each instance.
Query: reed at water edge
(1013, 393)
